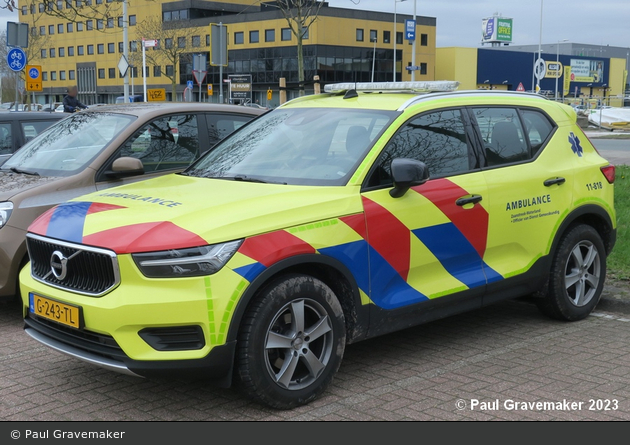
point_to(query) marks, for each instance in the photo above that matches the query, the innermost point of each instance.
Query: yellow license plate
(63, 313)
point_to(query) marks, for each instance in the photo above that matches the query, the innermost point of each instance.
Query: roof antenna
(350, 94)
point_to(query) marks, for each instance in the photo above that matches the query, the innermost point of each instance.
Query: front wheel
(577, 275)
(291, 342)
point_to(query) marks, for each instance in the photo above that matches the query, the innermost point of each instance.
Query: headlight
(5, 211)
(193, 262)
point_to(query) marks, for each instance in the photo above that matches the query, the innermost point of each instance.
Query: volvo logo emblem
(58, 265)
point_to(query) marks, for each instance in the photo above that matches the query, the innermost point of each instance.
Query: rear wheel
(291, 342)
(577, 275)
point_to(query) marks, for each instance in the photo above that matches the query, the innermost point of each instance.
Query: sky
(595, 22)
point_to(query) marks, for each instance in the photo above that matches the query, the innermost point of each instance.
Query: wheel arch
(329, 270)
(594, 216)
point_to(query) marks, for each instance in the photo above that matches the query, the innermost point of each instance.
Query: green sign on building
(504, 30)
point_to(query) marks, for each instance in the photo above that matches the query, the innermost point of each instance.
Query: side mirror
(126, 166)
(407, 173)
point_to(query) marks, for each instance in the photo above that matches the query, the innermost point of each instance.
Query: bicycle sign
(16, 59)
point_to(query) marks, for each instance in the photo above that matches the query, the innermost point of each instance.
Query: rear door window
(6, 138)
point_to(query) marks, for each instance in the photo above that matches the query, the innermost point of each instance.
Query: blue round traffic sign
(16, 59)
(33, 73)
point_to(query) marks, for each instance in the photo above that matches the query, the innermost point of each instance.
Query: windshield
(68, 146)
(298, 146)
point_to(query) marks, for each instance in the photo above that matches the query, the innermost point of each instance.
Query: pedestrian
(70, 102)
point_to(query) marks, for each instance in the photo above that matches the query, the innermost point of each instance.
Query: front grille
(87, 270)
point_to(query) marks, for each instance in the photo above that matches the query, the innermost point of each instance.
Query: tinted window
(166, 143)
(220, 125)
(32, 129)
(538, 128)
(6, 141)
(502, 133)
(438, 139)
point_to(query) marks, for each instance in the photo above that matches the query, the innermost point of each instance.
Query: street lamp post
(558, 63)
(126, 49)
(540, 44)
(374, 58)
(395, 38)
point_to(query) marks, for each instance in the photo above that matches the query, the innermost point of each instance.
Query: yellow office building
(341, 45)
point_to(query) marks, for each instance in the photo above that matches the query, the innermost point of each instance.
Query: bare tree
(300, 15)
(79, 10)
(173, 40)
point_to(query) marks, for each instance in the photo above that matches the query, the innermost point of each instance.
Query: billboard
(496, 30)
(591, 71)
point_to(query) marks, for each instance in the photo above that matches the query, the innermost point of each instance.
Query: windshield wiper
(245, 178)
(24, 172)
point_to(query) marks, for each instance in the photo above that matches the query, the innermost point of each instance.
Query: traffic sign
(199, 76)
(269, 94)
(540, 69)
(189, 84)
(210, 91)
(16, 59)
(156, 94)
(412, 68)
(34, 78)
(520, 87)
(123, 65)
(410, 29)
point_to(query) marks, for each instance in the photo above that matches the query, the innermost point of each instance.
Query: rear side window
(6, 139)
(503, 136)
(538, 129)
(220, 125)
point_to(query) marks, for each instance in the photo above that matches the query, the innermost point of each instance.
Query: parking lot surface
(503, 362)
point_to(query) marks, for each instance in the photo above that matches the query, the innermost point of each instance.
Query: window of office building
(373, 35)
(120, 22)
(80, 50)
(89, 25)
(110, 22)
(70, 51)
(111, 73)
(196, 41)
(100, 48)
(132, 20)
(254, 37)
(387, 36)
(111, 48)
(133, 46)
(51, 52)
(121, 48)
(359, 35)
(70, 27)
(169, 70)
(61, 51)
(24, 10)
(44, 75)
(101, 73)
(53, 75)
(51, 29)
(270, 35)
(239, 38)
(207, 39)
(71, 74)
(286, 34)
(424, 39)
(99, 24)
(62, 75)
(79, 26)
(181, 42)
(90, 49)
(42, 30)
(168, 43)
(423, 68)
(43, 54)
(157, 71)
(60, 28)
(399, 38)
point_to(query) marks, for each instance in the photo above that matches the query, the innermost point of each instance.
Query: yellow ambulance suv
(332, 219)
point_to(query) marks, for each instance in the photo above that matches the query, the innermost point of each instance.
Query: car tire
(577, 275)
(291, 342)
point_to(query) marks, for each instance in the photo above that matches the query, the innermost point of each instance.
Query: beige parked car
(100, 148)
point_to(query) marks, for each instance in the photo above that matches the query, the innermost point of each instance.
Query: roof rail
(471, 93)
(400, 87)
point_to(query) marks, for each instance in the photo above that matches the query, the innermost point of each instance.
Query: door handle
(554, 181)
(474, 199)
